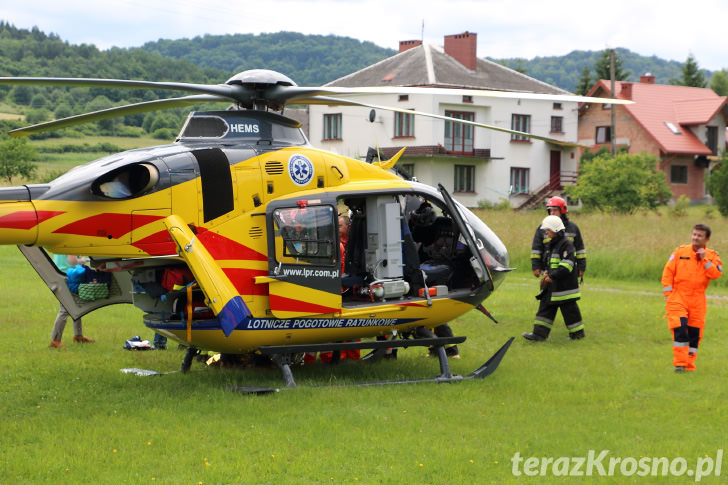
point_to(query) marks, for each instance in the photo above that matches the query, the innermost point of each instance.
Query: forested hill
(32, 52)
(309, 60)
(565, 71)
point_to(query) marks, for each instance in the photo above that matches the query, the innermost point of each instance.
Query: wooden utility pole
(613, 108)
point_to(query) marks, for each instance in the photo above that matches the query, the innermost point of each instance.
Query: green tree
(602, 66)
(718, 184)
(621, 183)
(691, 74)
(37, 116)
(62, 111)
(100, 103)
(585, 81)
(719, 82)
(16, 156)
(38, 101)
(21, 94)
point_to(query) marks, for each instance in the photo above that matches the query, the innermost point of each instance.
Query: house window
(678, 174)
(332, 126)
(557, 106)
(557, 124)
(404, 125)
(519, 180)
(711, 135)
(467, 99)
(603, 134)
(459, 137)
(520, 123)
(409, 168)
(404, 97)
(464, 178)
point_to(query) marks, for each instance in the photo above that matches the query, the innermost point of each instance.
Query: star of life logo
(300, 169)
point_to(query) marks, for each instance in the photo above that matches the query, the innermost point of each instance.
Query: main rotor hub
(261, 77)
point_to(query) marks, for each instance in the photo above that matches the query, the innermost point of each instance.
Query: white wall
(492, 176)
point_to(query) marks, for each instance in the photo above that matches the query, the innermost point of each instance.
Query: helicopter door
(305, 276)
(466, 232)
(120, 290)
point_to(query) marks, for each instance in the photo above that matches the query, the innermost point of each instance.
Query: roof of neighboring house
(430, 66)
(655, 105)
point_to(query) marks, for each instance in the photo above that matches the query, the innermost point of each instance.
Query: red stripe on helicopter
(107, 225)
(157, 244)
(221, 247)
(243, 280)
(281, 303)
(26, 219)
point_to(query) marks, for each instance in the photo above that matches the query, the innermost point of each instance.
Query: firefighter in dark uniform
(559, 285)
(556, 206)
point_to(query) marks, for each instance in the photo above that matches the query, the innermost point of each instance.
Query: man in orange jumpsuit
(684, 281)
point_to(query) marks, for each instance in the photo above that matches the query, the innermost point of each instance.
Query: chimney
(647, 78)
(626, 91)
(463, 47)
(405, 45)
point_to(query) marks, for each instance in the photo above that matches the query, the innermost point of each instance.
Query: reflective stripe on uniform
(667, 288)
(567, 263)
(544, 321)
(565, 295)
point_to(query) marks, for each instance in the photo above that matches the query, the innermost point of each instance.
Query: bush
(718, 185)
(621, 183)
(502, 204)
(165, 134)
(681, 206)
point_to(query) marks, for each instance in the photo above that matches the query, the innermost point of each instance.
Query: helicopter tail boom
(19, 222)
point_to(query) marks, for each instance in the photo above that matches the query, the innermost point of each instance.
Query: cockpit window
(126, 182)
(305, 235)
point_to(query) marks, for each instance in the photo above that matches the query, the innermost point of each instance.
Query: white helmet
(553, 223)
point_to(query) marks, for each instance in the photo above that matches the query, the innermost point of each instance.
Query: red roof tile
(656, 104)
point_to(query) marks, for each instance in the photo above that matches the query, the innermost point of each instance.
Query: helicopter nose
(18, 217)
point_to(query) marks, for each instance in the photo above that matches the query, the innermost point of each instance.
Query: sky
(669, 29)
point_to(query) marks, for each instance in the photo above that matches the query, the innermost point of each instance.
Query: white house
(475, 164)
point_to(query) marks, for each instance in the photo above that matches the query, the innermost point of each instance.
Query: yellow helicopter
(228, 239)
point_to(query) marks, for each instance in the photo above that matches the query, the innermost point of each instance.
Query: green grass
(71, 416)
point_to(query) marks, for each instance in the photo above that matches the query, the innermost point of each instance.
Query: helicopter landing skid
(283, 357)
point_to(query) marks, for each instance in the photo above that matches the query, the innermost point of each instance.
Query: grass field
(71, 416)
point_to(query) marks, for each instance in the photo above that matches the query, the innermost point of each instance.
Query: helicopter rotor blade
(118, 111)
(216, 89)
(325, 91)
(348, 102)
